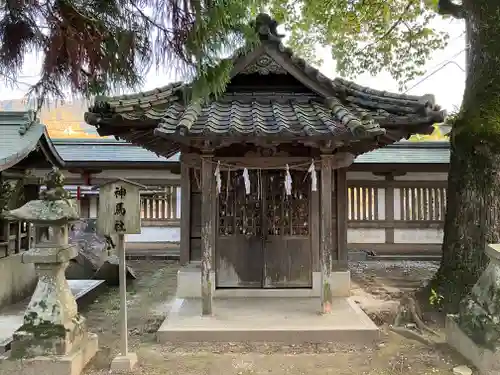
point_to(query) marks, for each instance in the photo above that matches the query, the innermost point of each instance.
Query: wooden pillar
(326, 243)
(185, 254)
(341, 195)
(389, 208)
(29, 234)
(207, 232)
(314, 214)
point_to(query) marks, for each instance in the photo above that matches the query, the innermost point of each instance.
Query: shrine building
(263, 169)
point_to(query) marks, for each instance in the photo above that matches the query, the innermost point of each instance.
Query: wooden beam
(207, 232)
(18, 237)
(391, 224)
(389, 208)
(398, 184)
(185, 214)
(326, 243)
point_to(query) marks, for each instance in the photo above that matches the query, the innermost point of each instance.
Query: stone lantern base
(54, 337)
(72, 363)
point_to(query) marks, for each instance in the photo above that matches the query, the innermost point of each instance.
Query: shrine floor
(11, 318)
(286, 320)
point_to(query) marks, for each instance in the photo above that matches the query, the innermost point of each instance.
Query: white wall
(156, 234)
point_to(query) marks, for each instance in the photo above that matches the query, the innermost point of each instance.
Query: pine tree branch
(449, 8)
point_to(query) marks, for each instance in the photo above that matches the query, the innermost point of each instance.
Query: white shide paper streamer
(314, 177)
(246, 179)
(288, 181)
(217, 177)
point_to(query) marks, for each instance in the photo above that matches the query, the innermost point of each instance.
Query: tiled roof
(408, 153)
(20, 134)
(256, 115)
(105, 150)
(160, 119)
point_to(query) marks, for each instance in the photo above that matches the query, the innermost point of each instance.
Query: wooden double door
(263, 238)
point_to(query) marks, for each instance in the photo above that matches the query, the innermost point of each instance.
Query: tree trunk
(473, 198)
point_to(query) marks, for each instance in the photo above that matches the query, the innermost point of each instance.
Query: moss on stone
(479, 313)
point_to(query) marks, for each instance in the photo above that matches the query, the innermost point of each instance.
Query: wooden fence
(388, 216)
(15, 236)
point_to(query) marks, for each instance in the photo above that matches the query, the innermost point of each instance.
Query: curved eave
(50, 151)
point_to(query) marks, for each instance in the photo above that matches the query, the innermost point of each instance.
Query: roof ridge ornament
(31, 118)
(267, 28)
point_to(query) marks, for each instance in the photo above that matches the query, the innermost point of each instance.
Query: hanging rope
(246, 177)
(243, 166)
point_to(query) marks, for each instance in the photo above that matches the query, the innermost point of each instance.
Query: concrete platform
(287, 320)
(12, 316)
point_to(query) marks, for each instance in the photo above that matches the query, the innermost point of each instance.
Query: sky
(445, 76)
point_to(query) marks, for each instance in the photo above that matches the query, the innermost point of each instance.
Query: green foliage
(435, 299)
(96, 47)
(99, 46)
(436, 135)
(365, 36)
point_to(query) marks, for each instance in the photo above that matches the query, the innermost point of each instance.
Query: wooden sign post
(120, 214)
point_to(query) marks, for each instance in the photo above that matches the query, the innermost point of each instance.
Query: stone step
(285, 320)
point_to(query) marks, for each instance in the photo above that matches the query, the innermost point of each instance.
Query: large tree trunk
(473, 207)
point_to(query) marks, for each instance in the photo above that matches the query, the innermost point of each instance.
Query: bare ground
(377, 287)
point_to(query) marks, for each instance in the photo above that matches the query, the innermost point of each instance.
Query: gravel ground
(376, 286)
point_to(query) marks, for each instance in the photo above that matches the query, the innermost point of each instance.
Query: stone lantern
(53, 333)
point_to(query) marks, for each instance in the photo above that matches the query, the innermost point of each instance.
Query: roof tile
(20, 133)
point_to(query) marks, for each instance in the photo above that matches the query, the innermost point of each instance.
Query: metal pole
(123, 295)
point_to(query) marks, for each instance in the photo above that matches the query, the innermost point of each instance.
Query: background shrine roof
(20, 134)
(331, 107)
(91, 151)
(103, 150)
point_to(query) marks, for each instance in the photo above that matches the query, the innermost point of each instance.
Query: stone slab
(10, 322)
(286, 320)
(8, 325)
(124, 362)
(71, 364)
(189, 286)
(486, 361)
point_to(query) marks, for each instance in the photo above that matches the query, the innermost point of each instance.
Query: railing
(362, 203)
(422, 204)
(396, 216)
(160, 205)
